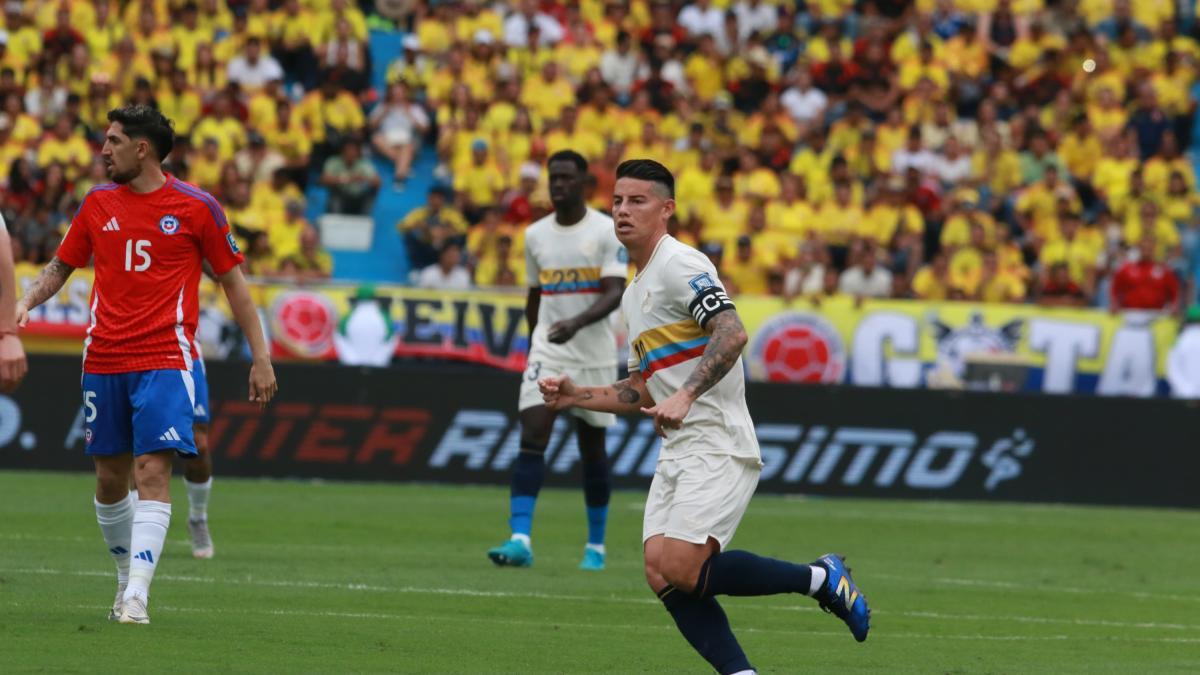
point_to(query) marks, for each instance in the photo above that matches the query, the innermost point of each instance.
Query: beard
(123, 177)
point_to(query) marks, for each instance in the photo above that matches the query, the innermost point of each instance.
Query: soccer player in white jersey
(685, 371)
(576, 270)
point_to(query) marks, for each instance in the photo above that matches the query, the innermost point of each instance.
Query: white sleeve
(693, 287)
(616, 258)
(533, 273)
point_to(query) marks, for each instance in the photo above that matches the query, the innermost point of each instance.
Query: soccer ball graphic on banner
(303, 323)
(797, 347)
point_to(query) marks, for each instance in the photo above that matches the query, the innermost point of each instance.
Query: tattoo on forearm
(724, 347)
(49, 281)
(626, 392)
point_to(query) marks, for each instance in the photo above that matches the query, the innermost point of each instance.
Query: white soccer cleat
(202, 546)
(118, 605)
(134, 611)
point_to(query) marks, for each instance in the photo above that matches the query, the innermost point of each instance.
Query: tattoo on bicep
(626, 393)
(724, 348)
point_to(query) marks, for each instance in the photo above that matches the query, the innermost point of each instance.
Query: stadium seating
(971, 148)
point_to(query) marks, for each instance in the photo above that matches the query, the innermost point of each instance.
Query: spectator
(251, 70)
(997, 285)
(1143, 283)
(701, 18)
(866, 278)
(397, 126)
(259, 261)
(527, 17)
(932, 281)
(63, 146)
(314, 262)
(448, 272)
(346, 52)
(805, 275)
(803, 101)
(352, 181)
(427, 228)
(258, 161)
(619, 66)
(1058, 289)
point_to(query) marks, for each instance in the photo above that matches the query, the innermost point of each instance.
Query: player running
(147, 233)
(685, 371)
(576, 271)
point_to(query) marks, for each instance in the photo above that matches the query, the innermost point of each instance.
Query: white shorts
(699, 496)
(531, 396)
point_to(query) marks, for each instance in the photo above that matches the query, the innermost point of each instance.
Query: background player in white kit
(576, 270)
(686, 372)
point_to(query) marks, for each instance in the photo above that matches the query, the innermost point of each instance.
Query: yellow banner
(872, 343)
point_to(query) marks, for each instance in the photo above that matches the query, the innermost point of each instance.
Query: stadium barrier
(446, 426)
(895, 343)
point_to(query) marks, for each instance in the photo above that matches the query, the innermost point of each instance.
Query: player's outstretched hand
(12, 363)
(670, 413)
(561, 331)
(558, 392)
(262, 383)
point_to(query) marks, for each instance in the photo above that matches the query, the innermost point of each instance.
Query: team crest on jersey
(701, 282)
(232, 242)
(168, 224)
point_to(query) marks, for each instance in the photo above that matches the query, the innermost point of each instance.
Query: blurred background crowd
(990, 150)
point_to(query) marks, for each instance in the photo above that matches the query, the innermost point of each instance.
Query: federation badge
(701, 282)
(168, 224)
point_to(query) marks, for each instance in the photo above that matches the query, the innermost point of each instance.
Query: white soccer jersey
(666, 307)
(567, 263)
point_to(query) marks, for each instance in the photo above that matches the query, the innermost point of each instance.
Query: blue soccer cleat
(511, 553)
(592, 560)
(842, 598)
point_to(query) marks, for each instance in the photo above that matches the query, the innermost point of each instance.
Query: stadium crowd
(258, 95)
(993, 150)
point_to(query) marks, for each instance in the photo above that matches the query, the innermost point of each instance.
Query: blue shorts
(142, 412)
(200, 409)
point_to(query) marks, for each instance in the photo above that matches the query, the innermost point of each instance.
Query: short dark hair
(569, 156)
(142, 121)
(650, 170)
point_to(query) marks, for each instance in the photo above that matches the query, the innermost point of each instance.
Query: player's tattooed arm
(624, 398)
(48, 282)
(725, 343)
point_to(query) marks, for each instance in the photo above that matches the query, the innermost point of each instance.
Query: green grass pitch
(334, 577)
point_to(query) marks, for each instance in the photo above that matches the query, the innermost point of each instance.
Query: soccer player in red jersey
(148, 234)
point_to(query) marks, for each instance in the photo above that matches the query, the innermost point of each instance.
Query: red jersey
(148, 250)
(1144, 285)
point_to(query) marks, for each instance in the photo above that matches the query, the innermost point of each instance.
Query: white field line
(933, 579)
(641, 628)
(468, 592)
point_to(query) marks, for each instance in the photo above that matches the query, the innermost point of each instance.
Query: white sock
(598, 548)
(150, 522)
(198, 498)
(116, 525)
(746, 672)
(524, 539)
(818, 579)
